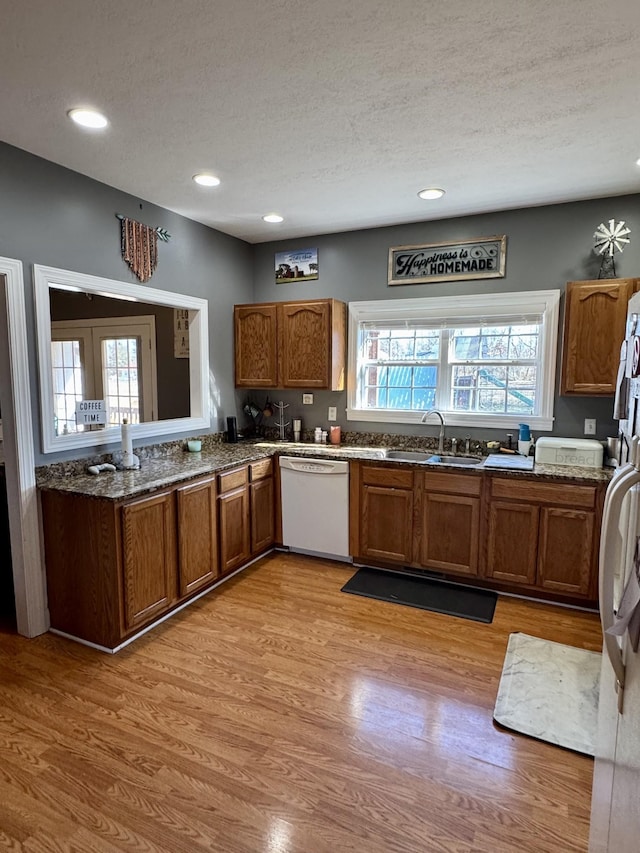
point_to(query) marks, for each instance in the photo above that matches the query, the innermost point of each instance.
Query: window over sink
(485, 360)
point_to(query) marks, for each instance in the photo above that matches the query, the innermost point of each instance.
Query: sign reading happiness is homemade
(484, 257)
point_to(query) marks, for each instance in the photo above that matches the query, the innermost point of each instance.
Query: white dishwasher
(315, 506)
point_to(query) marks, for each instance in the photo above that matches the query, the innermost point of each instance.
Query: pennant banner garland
(139, 244)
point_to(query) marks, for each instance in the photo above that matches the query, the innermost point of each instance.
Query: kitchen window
(486, 360)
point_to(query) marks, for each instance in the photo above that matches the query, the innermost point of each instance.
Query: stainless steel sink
(408, 455)
(454, 460)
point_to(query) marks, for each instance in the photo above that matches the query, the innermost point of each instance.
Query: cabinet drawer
(261, 469)
(549, 493)
(459, 484)
(392, 477)
(230, 480)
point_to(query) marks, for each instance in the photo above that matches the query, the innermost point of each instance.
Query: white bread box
(570, 451)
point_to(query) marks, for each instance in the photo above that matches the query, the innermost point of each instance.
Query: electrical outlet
(332, 413)
(589, 426)
(307, 399)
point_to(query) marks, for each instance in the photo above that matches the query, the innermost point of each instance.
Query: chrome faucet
(423, 420)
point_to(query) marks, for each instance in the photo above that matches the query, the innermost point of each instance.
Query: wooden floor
(281, 715)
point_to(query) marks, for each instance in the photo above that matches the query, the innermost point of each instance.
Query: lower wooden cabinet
(198, 563)
(386, 514)
(543, 535)
(115, 566)
(450, 522)
(246, 512)
(512, 542)
(261, 512)
(148, 558)
(233, 511)
(427, 519)
(566, 550)
(525, 534)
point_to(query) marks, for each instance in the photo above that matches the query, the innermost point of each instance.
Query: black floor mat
(423, 592)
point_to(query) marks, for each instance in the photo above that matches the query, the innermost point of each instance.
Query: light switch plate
(332, 413)
(307, 399)
(589, 426)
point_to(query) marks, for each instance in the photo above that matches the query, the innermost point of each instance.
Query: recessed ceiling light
(206, 180)
(638, 162)
(431, 193)
(88, 118)
(273, 217)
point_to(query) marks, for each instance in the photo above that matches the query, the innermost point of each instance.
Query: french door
(110, 359)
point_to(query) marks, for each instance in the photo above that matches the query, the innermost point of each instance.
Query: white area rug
(550, 691)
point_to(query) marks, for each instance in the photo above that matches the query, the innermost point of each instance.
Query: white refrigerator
(615, 809)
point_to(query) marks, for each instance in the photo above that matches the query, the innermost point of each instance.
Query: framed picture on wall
(299, 265)
(455, 260)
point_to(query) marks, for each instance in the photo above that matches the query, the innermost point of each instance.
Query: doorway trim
(32, 615)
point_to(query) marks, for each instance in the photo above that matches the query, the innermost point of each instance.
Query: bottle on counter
(524, 439)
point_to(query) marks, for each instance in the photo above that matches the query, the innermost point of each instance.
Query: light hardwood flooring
(279, 715)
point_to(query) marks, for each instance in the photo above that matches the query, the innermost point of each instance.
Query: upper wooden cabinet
(256, 345)
(291, 345)
(594, 327)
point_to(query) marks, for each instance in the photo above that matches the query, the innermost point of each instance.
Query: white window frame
(463, 308)
(199, 379)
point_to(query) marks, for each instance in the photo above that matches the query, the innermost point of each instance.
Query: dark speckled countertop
(181, 466)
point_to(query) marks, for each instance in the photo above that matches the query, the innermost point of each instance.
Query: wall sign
(484, 257)
(91, 412)
(180, 333)
(301, 265)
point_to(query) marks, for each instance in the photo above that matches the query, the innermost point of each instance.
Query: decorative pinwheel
(610, 239)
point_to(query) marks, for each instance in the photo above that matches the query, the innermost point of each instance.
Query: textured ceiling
(333, 114)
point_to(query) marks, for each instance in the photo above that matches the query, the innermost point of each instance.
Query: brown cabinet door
(386, 531)
(149, 558)
(197, 540)
(566, 550)
(256, 346)
(594, 327)
(450, 533)
(305, 344)
(262, 515)
(512, 542)
(233, 516)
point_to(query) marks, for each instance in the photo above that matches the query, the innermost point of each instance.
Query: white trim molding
(200, 419)
(449, 309)
(29, 578)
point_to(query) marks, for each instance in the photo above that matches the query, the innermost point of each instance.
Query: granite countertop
(158, 473)
(546, 472)
(153, 474)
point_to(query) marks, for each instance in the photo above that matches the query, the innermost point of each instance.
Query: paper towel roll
(127, 441)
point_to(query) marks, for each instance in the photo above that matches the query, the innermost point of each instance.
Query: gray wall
(546, 247)
(53, 216)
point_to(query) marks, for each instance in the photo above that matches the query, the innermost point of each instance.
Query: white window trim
(546, 302)
(200, 418)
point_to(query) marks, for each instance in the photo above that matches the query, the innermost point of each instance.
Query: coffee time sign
(484, 257)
